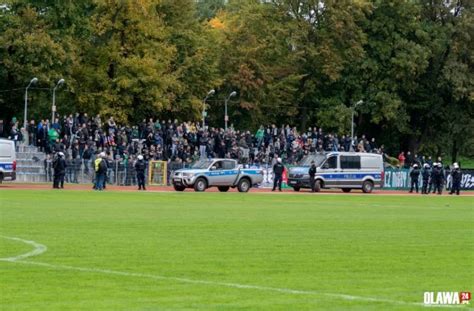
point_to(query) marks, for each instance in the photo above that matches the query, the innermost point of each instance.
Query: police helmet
(455, 165)
(279, 160)
(140, 157)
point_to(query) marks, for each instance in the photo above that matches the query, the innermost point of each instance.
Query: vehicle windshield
(317, 158)
(202, 164)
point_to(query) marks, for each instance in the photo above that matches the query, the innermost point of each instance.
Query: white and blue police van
(7, 160)
(343, 170)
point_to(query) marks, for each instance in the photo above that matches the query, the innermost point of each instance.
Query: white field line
(39, 249)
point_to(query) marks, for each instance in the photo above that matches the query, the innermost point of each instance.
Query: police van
(7, 160)
(344, 170)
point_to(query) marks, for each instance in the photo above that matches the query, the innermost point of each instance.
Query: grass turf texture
(385, 247)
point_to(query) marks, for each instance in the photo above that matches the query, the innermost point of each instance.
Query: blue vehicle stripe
(231, 172)
(349, 175)
(7, 166)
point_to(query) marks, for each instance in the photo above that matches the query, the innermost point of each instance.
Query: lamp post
(226, 117)
(54, 100)
(33, 81)
(352, 122)
(211, 92)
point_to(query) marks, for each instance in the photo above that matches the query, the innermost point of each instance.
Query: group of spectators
(407, 160)
(81, 137)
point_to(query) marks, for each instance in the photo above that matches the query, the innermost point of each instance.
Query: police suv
(344, 170)
(7, 160)
(220, 173)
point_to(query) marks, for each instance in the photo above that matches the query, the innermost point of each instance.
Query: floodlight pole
(226, 116)
(53, 108)
(209, 94)
(25, 123)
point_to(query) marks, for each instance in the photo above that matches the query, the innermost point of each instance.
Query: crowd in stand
(81, 137)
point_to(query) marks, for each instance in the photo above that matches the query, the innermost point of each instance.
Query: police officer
(432, 180)
(59, 166)
(438, 178)
(140, 167)
(425, 174)
(456, 177)
(312, 174)
(278, 169)
(414, 174)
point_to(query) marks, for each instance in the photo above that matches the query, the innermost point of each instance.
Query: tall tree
(195, 63)
(127, 65)
(28, 49)
(257, 61)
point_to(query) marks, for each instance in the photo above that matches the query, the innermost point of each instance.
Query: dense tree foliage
(291, 62)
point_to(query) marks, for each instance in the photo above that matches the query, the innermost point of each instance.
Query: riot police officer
(437, 175)
(414, 175)
(456, 177)
(278, 169)
(432, 187)
(140, 167)
(312, 174)
(425, 174)
(59, 166)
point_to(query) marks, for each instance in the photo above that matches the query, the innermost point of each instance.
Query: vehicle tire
(367, 186)
(296, 189)
(223, 188)
(346, 190)
(200, 185)
(179, 188)
(317, 186)
(244, 185)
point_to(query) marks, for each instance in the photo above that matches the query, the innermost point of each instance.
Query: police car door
(230, 172)
(329, 171)
(216, 174)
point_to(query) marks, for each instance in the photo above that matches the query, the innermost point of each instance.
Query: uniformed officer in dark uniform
(312, 174)
(425, 174)
(414, 174)
(456, 177)
(438, 178)
(140, 167)
(278, 169)
(59, 166)
(432, 179)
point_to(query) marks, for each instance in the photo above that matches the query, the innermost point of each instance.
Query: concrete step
(30, 178)
(24, 148)
(30, 169)
(30, 155)
(29, 162)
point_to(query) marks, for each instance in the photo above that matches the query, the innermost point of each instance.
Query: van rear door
(373, 165)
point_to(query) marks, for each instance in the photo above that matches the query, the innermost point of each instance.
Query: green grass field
(231, 251)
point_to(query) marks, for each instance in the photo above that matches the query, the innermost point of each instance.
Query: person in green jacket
(52, 135)
(259, 135)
